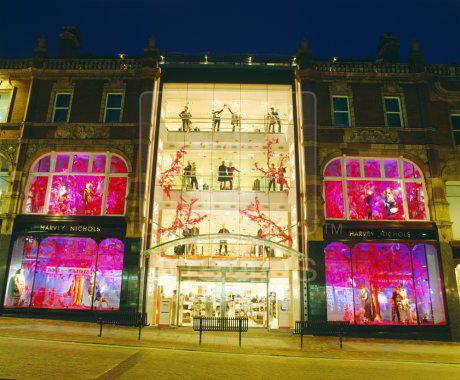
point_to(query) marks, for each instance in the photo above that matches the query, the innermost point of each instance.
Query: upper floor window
(113, 107)
(455, 120)
(393, 112)
(341, 109)
(372, 188)
(5, 97)
(76, 183)
(4, 181)
(61, 107)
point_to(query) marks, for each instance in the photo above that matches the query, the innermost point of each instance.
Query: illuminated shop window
(5, 97)
(62, 272)
(4, 181)
(77, 183)
(61, 107)
(368, 188)
(113, 107)
(384, 284)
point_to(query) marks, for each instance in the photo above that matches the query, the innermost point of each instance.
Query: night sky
(347, 29)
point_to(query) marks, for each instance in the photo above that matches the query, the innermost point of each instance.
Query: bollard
(139, 319)
(100, 327)
(240, 327)
(201, 328)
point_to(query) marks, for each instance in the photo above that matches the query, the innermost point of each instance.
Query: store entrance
(223, 292)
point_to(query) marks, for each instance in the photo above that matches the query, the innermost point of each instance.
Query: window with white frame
(393, 112)
(5, 98)
(374, 188)
(455, 121)
(341, 111)
(61, 107)
(113, 108)
(77, 183)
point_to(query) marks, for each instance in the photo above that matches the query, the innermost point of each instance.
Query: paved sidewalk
(256, 341)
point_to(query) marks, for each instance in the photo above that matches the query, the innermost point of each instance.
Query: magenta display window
(79, 184)
(353, 167)
(63, 272)
(334, 168)
(76, 195)
(334, 199)
(390, 284)
(383, 192)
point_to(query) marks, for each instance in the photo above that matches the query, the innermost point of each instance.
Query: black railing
(127, 318)
(331, 328)
(239, 325)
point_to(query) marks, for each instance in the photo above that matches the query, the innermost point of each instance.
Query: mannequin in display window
(230, 171)
(395, 305)
(19, 286)
(222, 176)
(88, 195)
(186, 118)
(405, 309)
(223, 243)
(390, 203)
(235, 121)
(216, 119)
(186, 175)
(275, 114)
(193, 249)
(281, 177)
(366, 299)
(272, 178)
(193, 180)
(172, 315)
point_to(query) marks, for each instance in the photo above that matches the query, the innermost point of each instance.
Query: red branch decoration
(168, 177)
(269, 228)
(185, 218)
(270, 172)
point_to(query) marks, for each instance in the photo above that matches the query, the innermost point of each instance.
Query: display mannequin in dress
(19, 286)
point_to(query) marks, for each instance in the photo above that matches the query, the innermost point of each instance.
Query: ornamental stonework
(81, 132)
(371, 136)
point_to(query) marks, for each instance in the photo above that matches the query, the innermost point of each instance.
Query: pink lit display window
(80, 163)
(334, 168)
(389, 284)
(117, 165)
(415, 200)
(35, 201)
(410, 171)
(62, 163)
(116, 196)
(99, 163)
(372, 168)
(67, 273)
(76, 195)
(375, 200)
(353, 167)
(43, 165)
(391, 168)
(334, 199)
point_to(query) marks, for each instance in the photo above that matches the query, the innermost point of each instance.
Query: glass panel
(36, 197)
(410, 171)
(80, 163)
(372, 168)
(63, 273)
(62, 163)
(391, 168)
(43, 165)
(114, 100)
(117, 165)
(99, 161)
(60, 115)
(62, 100)
(4, 105)
(21, 273)
(415, 200)
(392, 104)
(116, 196)
(430, 304)
(353, 167)
(334, 199)
(394, 120)
(112, 116)
(384, 290)
(341, 119)
(339, 290)
(340, 103)
(334, 168)
(76, 195)
(375, 200)
(107, 286)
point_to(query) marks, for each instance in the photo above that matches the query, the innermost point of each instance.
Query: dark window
(61, 108)
(113, 107)
(456, 128)
(341, 111)
(393, 112)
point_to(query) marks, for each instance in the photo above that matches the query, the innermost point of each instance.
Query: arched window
(77, 183)
(371, 188)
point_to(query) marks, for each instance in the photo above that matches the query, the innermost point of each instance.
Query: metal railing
(239, 325)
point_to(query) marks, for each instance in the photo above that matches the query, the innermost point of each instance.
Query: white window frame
(112, 108)
(8, 107)
(108, 175)
(400, 113)
(454, 131)
(343, 178)
(68, 108)
(347, 111)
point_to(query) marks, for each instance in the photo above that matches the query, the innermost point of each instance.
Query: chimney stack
(388, 49)
(69, 42)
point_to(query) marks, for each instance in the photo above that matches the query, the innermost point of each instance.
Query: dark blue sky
(347, 29)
